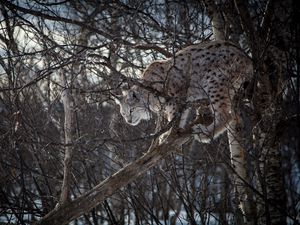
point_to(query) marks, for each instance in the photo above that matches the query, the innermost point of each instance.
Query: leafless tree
(67, 154)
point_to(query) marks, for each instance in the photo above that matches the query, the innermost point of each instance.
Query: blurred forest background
(61, 60)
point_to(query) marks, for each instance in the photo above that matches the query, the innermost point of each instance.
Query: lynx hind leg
(221, 120)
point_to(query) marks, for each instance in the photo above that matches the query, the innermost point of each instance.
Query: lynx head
(133, 106)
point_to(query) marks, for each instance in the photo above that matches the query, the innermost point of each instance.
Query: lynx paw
(164, 136)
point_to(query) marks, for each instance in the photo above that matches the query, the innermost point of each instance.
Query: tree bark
(239, 164)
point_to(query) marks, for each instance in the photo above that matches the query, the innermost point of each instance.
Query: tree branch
(63, 214)
(247, 26)
(84, 25)
(153, 47)
(265, 25)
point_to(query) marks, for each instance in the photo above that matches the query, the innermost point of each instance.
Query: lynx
(212, 71)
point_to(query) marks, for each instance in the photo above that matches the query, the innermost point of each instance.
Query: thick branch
(83, 204)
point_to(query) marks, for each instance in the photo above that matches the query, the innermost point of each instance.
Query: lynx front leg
(187, 117)
(198, 112)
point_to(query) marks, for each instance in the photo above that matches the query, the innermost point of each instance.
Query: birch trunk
(71, 102)
(68, 140)
(237, 151)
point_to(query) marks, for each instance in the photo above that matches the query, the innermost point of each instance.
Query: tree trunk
(239, 164)
(71, 101)
(237, 151)
(68, 103)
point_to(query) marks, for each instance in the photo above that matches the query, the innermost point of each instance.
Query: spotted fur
(214, 71)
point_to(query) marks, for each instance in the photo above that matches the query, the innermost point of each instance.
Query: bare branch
(153, 47)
